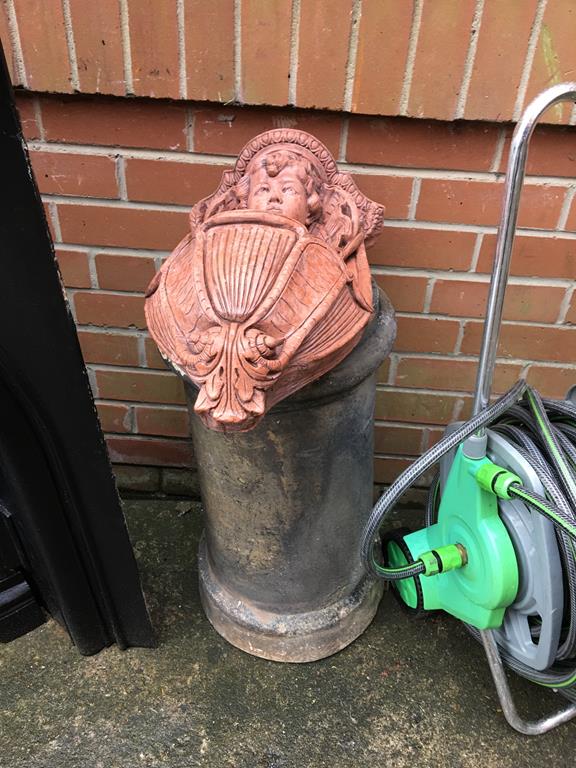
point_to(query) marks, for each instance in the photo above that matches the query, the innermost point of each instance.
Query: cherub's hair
(274, 163)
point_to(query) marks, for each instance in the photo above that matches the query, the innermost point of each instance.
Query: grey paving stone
(407, 693)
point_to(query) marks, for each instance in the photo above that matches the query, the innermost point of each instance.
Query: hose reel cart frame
(506, 523)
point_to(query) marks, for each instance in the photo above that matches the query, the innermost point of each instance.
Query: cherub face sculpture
(283, 182)
(284, 194)
(271, 287)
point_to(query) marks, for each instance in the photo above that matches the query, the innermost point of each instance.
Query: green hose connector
(495, 479)
(468, 516)
(442, 559)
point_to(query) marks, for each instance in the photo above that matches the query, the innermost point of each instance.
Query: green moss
(551, 62)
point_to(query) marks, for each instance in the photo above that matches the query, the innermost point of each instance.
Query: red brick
(381, 56)
(63, 173)
(394, 439)
(502, 47)
(225, 130)
(552, 382)
(7, 45)
(323, 53)
(440, 57)
(552, 152)
(166, 181)
(458, 375)
(25, 104)
(74, 268)
(150, 451)
(386, 470)
(153, 357)
(168, 422)
(124, 273)
(394, 192)
(109, 348)
(534, 256)
(571, 223)
(423, 248)
(110, 310)
(414, 407)
(140, 386)
(209, 30)
(459, 298)
(426, 334)
(479, 203)
(526, 342)
(98, 43)
(406, 143)
(114, 418)
(154, 48)
(571, 316)
(265, 51)
(554, 57)
(122, 227)
(46, 207)
(114, 122)
(44, 46)
(383, 372)
(464, 410)
(432, 436)
(404, 291)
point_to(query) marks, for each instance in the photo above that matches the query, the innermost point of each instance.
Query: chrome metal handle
(506, 232)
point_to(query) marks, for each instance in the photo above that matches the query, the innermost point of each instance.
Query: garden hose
(543, 432)
(394, 492)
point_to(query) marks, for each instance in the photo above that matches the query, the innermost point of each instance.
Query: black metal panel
(20, 609)
(56, 480)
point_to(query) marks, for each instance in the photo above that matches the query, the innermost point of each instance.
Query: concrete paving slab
(407, 693)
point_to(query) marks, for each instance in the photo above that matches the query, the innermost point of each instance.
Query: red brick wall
(441, 59)
(414, 97)
(119, 175)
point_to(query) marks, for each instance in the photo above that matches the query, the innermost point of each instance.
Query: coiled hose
(544, 433)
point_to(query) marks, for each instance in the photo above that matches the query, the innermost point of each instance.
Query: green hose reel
(471, 570)
(515, 586)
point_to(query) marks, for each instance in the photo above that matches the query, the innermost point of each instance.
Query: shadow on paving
(407, 693)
